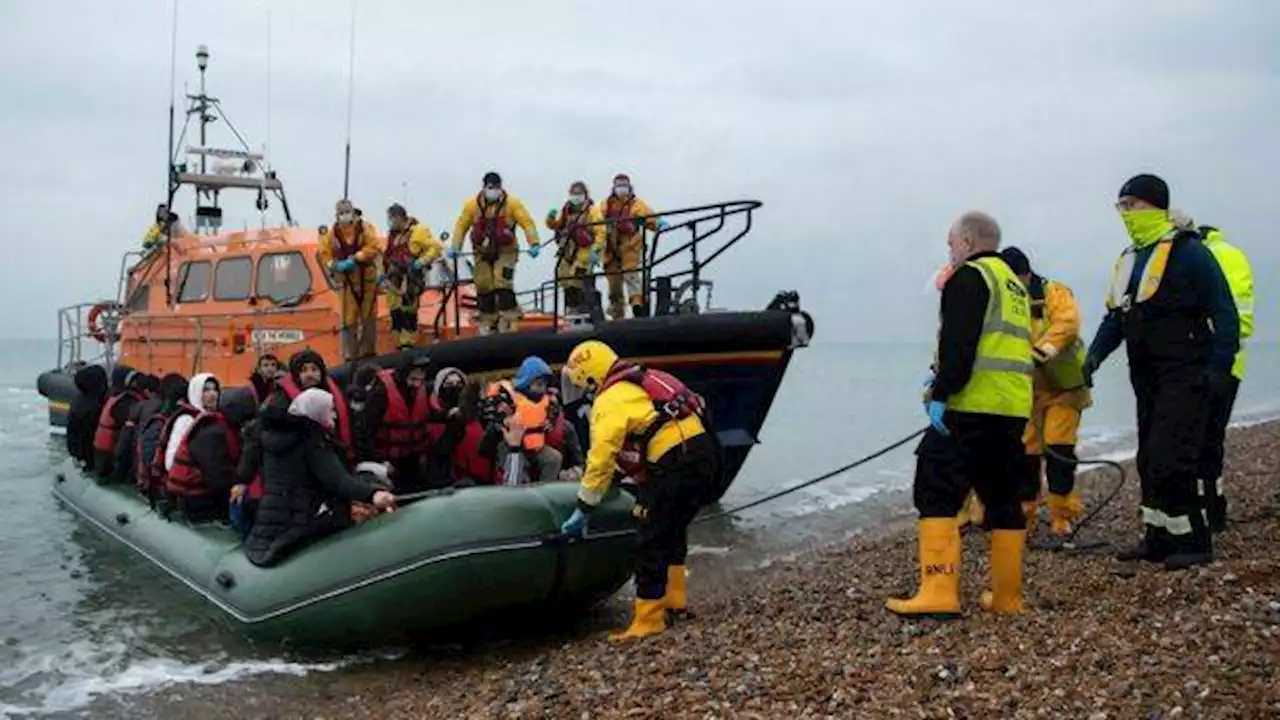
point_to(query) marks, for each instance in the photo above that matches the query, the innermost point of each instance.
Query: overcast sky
(863, 127)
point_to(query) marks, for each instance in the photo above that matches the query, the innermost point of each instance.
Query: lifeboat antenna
(351, 86)
(266, 146)
(171, 173)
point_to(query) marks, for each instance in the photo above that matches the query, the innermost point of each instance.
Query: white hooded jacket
(181, 426)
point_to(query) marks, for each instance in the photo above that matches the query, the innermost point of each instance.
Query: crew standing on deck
(978, 405)
(349, 250)
(624, 247)
(411, 248)
(492, 216)
(1170, 305)
(580, 231)
(648, 424)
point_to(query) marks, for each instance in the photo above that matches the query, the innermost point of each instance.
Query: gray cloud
(865, 128)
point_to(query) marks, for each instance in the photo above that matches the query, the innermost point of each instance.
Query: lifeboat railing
(73, 330)
(665, 292)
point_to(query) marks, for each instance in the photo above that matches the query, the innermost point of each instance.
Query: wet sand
(807, 636)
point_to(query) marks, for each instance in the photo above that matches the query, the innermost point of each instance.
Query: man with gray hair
(978, 403)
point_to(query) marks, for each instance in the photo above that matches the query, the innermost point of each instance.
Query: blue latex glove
(593, 259)
(346, 265)
(534, 250)
(576, 525)
(416, 265)
(452, 253)
(663, 224)
(382, 279)
(934, 409)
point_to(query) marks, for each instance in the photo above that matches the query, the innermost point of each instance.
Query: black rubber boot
(1154, 547)
(639, 311)
(1216, 505)
(1194, 548)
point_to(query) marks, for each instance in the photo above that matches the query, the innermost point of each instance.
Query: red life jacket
(398, 252)
(672, 399)
(468, 462)
(341, 250)
(403, 430)
(435, 430)
(186, 479)
(621, 211)
(555, 436)
(580, 235)
(291, 390)
(144, 471)
(156, 478)
(494, 228)
(104, 438)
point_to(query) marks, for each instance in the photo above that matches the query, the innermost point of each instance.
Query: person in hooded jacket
(393, 422)
(85, 410)
(307, 370)
(446, 425)
(126, 442)
(307, 489)
(263, 379)
(473, 456)
(154, 415)
(528, 390)
(205, 451)
(125, 393)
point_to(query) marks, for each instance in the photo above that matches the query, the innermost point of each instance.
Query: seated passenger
(446, 426)
(562, 436)
(206, 452)
(83, 415)
(393, 422)
(528, 390)
(264, 377)
(307, 489)
(123, 467)
(154, 435)
(247, 491)
(473, 456)
(307, 370)
(115, 412)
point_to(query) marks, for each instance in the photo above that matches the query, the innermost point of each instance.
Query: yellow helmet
(590, 361)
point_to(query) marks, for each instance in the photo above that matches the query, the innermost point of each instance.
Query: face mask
(346, 217)
(450, 395)
(577, 199)
(622, 190)
(1146, 226)
(492, 194)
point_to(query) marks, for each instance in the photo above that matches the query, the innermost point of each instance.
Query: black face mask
(450, 395)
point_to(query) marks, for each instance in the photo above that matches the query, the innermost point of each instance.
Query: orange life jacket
(672, 399)
(185, 478)
(574, 229)
(621, 211)
(534, 415)
(104, 438)
(496, 228)
(469, 463)
(403, 430)
(291, 390)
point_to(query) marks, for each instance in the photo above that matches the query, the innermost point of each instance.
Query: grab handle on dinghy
(122, 518)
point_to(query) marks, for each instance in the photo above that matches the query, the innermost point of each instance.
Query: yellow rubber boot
(1005, 595)
(677, 598)
(939, 593)
(1063, 511)
(650, 619)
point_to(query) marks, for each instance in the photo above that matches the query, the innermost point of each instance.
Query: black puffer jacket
(82, 417)
(307, 490)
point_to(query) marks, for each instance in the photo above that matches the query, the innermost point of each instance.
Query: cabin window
(328, 277)
(140, 299)
(233, 278)
(283, 277)
(193, 281)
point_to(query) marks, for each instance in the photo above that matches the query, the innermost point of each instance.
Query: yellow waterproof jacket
(590, 215)
(639, 208)
(1235, 267)
(364, 255)
(423, 245)
(1059, 327)
(625, 409)
(513, 210)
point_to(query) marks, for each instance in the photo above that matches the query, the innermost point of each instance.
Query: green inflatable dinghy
(442, 561)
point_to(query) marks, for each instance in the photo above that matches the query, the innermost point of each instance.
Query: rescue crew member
(394, 424)
(563, 436)
(580, 231)
(204, 465)
(1239, 274)
(627, 217)
(349, 250)
(1171, 306)
(263, 378)
(307, 489)
(492, 216)
(411, 248)
(125, 394)
(154, 416)
(978, 404)
(1060, 396)
(648, 424)
(166, 227)
(528, 390)
(307, 370)
(84, 413)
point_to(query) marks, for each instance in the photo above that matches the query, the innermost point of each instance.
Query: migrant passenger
(153, 438)
(394, 422)
(675, 460)
(624, 249)
(245, 495)
(349, 250)
(206, 451)
(122, 470)
(1170, 305)
(411, 248)
(978, 403)
(84, 413)
(528, 391)
(447, 425)
(563, 437)
(580, 232)
(492, 217)
(474, 454)
(307, 489)
(307, 370)
(263, 379)
(115, 413)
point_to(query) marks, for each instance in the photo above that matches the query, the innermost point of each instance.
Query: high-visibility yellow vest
(1001, 379)
(1235, 266)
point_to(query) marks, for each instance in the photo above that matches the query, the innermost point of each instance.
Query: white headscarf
(181, 426)
(316, 404)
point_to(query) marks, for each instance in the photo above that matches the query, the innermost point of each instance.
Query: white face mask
(492, 194)
(577, 199)
(346, 217)
(622, 190)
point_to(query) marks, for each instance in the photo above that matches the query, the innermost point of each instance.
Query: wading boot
(1215, 505)
(939, 593)
(676, 600)
(1154, 547)
(650, 619)
(1005, 595)
(1193, 548)
(1063, 511)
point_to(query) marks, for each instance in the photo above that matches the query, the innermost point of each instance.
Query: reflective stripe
(1174, 524)
(1000, 365)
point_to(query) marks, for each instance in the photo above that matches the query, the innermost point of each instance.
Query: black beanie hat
(1016, 260)
(302, 357)
(1149, 188)
(492, 178)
